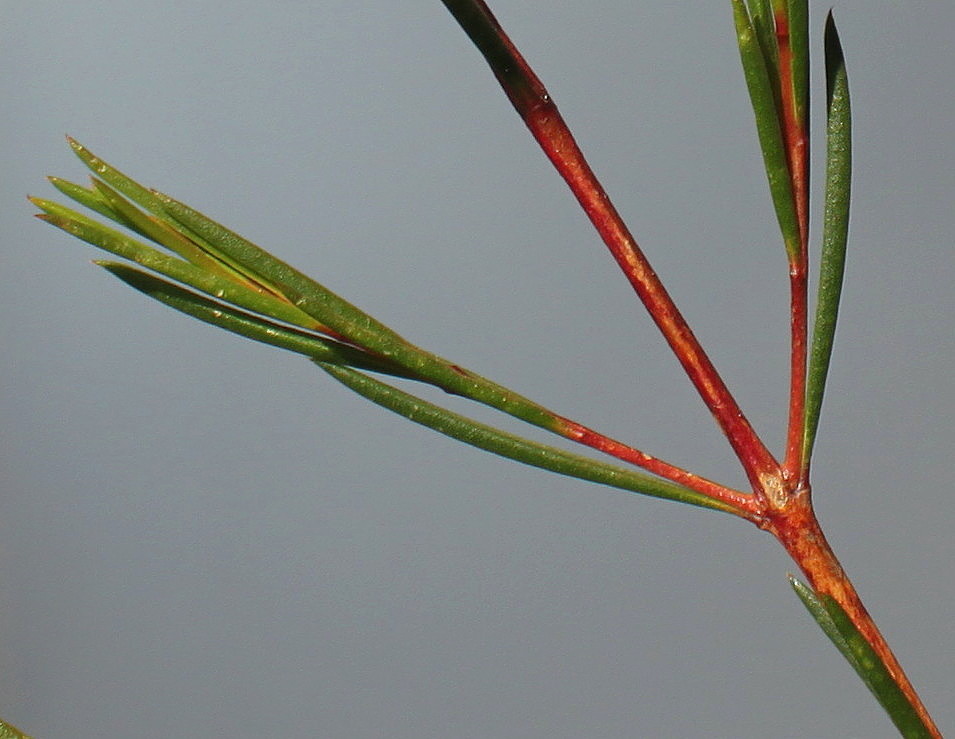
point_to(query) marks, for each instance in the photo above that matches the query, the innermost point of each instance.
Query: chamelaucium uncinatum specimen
(205, 270)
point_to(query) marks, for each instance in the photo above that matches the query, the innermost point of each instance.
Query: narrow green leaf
(763, 96)
(156, 226)
(760, 10)
(304, 294)
(299, 294)
(177, 269)
(159, 232)
(312, 297)
(151, 203)
(514, 447)
(89, 198)
(303, 301)
(354, 325)
(764, 24)
(143, 197)
(818, 611)
(136, 193)
(248, 325)
(799, 44)
(849, 641)
(835, 231)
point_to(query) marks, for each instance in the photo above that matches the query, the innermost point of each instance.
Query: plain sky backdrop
(200, 536)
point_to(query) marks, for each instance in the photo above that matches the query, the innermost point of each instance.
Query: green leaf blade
(799, 45)
(247, 325)
(835, 232)
(763, 20)
(859, 654)
(159, 232)
(115, 242)
(514, 447)
(303, 301)
(757, 70)
(88, 198)
(355, 325)
(310, 296)
(289, 296)
(142, 196)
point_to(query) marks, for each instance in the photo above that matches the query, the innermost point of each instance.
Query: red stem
(748, 505)
(798, 530)
(781, 501)
(795, 135)
(534, 105)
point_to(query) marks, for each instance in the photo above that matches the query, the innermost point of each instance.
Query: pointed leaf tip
(835, 58)
(835, 230)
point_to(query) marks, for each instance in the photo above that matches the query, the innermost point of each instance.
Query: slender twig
(748, 504)
(539, 113)
(796, 138)
(799, 532)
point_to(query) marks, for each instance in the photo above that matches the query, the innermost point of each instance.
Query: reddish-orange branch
(799, 532)
(795, 135)
(794, 467)
(747, 504)
(780, 502)
(534, 105)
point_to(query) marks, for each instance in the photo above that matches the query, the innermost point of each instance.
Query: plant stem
(795, 136)
(539, 113)
(795, 527)
(748, 505)
(798, 326)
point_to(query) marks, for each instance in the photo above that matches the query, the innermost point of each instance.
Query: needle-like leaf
(799, 46)
(514, 447)
(232, 270)
(248, 325)
(210, 283)
(835, 231)
(355, 325)
(143, 197)
(764, 24)
(763, 95)
(90, 198)
(849, 641)
(164, 234)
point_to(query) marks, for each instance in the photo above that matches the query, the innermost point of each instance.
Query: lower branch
(797, 529)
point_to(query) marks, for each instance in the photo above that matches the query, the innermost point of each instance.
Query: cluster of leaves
(240, 287)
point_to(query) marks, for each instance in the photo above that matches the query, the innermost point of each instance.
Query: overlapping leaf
(238, 286)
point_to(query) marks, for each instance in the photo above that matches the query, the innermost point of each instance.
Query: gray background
(201, 536)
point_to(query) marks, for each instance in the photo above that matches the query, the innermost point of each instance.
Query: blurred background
(204, 536)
